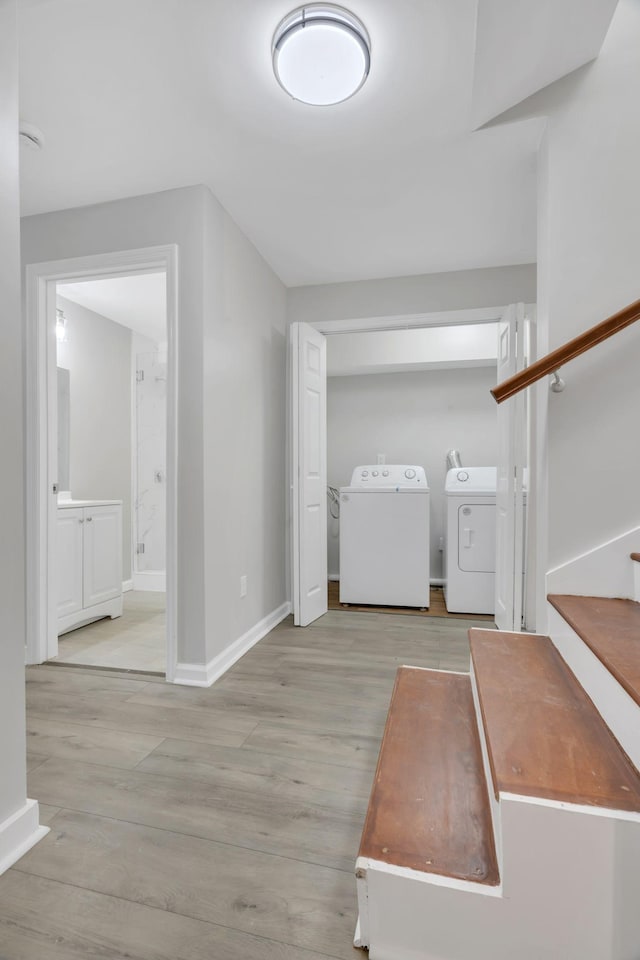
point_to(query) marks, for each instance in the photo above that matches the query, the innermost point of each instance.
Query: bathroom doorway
(101, 542)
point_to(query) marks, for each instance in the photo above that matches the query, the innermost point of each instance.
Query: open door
(309, 479)
(512, 446)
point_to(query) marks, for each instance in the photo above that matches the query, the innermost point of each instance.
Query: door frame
(40, 458)
(442, 318)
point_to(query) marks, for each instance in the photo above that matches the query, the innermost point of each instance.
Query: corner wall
(589, 252)
(18, 816)
(244, 431)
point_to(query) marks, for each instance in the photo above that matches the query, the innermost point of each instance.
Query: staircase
(504, 819)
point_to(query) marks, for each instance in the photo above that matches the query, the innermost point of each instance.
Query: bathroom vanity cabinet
(89, 562)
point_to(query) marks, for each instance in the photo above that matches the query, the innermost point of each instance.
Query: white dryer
(470, 540)
(384, 536)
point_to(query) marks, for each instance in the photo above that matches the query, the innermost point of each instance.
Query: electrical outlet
(243, 586)
(382, 458)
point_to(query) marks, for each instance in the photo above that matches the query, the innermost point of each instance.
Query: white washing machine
(384, 536)
(470, 540)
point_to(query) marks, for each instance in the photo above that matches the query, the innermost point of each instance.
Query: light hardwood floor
(211, 824)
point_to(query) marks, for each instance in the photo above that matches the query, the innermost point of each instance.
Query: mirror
(64, 481)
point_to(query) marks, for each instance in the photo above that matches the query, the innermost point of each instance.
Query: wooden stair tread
(545, 737)
(611, 629)
(429, 808)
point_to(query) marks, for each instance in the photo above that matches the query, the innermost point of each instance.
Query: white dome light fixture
(321, 54)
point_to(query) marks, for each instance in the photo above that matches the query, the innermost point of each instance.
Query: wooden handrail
(569, 351)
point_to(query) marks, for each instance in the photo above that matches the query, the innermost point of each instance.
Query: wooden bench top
(545, 737)
(611, 629)
(429, 808)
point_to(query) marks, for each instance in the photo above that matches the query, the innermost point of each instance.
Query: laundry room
(407, 397)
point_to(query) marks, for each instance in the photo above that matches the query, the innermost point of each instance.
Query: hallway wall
(231, 391)
(13, 788)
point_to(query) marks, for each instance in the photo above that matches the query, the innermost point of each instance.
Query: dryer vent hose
(453, 460)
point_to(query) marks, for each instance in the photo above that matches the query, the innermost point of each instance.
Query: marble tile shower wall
(151, 413)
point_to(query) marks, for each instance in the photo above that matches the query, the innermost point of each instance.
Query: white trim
(204, 674)
(20, 832)
(363, 864)
(98, 611)
(152, 580)
(127, 586)
(40, 502)
(443, 318)
(619, 711)
(606, 813)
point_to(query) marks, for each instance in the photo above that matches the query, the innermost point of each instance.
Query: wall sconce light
(61, 326)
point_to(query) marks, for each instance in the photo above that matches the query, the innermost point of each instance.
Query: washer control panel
(389, 475)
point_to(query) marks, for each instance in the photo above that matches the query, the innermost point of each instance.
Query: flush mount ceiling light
(321, 54)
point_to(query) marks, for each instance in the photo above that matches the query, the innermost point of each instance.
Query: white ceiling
(134, 97)
(137, 302)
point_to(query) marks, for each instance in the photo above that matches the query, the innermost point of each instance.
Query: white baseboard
(153, 580)
(204, 674)
(127, 585)
(18, 833)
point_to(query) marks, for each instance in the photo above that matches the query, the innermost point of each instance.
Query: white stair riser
(619, 711)
(560, 865)
(491, 786)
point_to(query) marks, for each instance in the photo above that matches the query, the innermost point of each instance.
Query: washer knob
(365, 473)
(385, 473)
(410, 473)
(374, 473)
(462, 475)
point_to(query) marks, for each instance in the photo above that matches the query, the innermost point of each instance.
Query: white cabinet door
(102, 554)
(68, 570)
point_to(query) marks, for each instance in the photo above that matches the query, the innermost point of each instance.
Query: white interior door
(309, 482)
(510, 476)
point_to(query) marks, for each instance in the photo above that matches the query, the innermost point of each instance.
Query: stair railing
(568, 351)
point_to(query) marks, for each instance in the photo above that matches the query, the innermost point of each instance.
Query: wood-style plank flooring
(211, 824)
(436, 608)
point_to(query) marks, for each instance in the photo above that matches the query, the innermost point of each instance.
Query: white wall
(97, 354)
(12, 572)
(411, 418)
(589, 251)
(398, 351)
(231, 392)
(492, 287)
(244, 429)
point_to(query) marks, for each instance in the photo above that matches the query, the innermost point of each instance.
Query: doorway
(452, 341)
(101, 456)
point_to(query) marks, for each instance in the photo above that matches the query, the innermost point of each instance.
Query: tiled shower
(150, 454)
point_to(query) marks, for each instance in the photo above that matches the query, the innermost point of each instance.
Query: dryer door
(477, 537)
